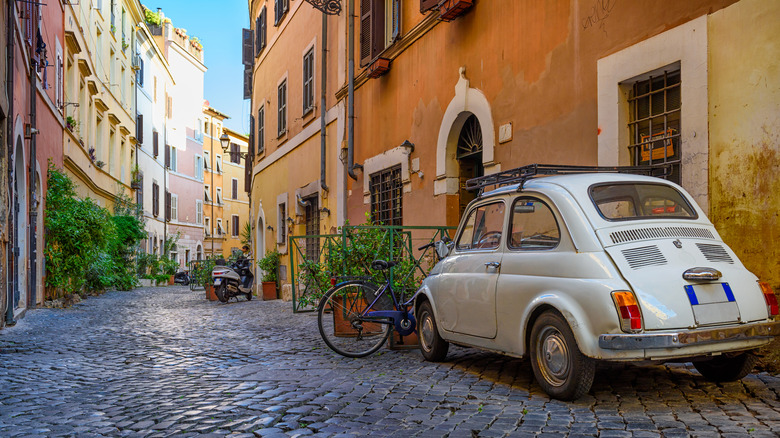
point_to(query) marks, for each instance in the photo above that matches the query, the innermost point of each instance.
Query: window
(207, 160)
(173, 159)
(219, 195)
(533, 225)
(207, 226)
(235, 153)
(282, 101)
(312, 214)
(632, 201)
(386, 190)
(234, 225)
(59, 81)
(139, 76)
(281, 221)
(234, 188)
(155, 143)
(219, 230)
(308, 81)
(218, 161)
(168, 106)
(139, 193)
(174, 207)
(380, 26)
(207, 192)
(261, 130)
(168, 156)
(198, 212)
(280, 8)
(167, 206)
(199, 168)
(155, 199)
(654, 121)
(260, 31)
(483, 228)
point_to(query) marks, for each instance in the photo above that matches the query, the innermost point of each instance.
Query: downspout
(351, 93)
(32, 205)
(323, 95)
(10, 255)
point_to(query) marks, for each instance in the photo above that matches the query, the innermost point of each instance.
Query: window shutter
(247, 82)
(263, 28)
(235, 189)
(365, 31)
(378, 28)
(155, 199)
(277, 11)
(247, 52)
(139, 128)
(258, 46)
(396, 19)
(167, 205)
(155, 143)
(167, 156)
(235, 226)
(427, 5)
(260, 133)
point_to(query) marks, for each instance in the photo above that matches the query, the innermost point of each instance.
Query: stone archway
(466, 103)
(19, 206)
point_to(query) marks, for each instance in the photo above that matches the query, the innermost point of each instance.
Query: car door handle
(494, 265)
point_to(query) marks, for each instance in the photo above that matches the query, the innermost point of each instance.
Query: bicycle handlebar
(426, 246)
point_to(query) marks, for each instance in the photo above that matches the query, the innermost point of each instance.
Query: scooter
(182, 277)
(233, 280)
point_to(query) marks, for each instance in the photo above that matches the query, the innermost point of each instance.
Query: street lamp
(225, 141)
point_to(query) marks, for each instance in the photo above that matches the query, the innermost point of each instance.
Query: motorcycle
(182, 277)
(233, 280)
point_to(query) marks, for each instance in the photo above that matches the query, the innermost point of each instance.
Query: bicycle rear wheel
(341, 326)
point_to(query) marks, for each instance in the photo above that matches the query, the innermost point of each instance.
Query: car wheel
(560, 368)
(433, 347)
(727, 368)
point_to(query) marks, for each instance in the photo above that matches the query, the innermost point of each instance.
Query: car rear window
(630, 201)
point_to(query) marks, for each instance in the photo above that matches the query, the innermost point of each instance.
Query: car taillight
(770, 298)
(628, 311)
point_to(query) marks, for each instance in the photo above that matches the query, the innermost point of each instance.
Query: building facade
(213, 196)
(235, 211)
(513, 83)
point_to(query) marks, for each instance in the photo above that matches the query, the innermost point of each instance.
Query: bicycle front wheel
(343, 322)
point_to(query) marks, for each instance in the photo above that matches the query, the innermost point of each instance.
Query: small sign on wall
(505, 133)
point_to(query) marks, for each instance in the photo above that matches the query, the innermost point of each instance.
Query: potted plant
(70, 122)
(135, 183)
(270, 266)
(169, 268)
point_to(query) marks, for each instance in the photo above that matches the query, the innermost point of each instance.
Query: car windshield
(629, 201)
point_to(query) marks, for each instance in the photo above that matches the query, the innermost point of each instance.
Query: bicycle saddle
(381, 265)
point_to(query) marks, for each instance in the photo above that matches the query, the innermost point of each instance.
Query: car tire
(432, 346)
(560, 368)
(727, 368)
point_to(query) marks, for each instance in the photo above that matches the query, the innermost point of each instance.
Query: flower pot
(210, 295)
(269, 290)
(452, 9)
(341, 324)
(398, 342)
(170, 280)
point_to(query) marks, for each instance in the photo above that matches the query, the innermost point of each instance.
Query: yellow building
(214, 168)
(235, 211)
(99, 78)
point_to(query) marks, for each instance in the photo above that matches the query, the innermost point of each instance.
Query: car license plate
(712, 303)
(217, 281)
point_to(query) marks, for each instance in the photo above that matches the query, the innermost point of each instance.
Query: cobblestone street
(166, 362)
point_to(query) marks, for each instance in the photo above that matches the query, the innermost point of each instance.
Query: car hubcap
(426, 332)
(552, 355)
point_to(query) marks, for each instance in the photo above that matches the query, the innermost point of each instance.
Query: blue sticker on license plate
(709, 293)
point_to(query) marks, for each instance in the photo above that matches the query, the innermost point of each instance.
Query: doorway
(469, 157)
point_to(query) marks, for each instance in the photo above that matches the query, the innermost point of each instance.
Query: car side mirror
(442, 249)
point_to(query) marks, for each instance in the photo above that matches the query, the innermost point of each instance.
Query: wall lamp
(224, 140)
(408, 145)
(269, 228)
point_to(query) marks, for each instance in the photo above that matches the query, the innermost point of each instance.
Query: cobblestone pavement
(166, 362)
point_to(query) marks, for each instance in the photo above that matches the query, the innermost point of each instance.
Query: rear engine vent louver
(659, 232)
(644, 256)
(715, 253)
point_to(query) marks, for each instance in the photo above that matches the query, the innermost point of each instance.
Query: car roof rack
(524, 173)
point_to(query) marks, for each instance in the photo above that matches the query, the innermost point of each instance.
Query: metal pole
(323, 96)
(351, 93)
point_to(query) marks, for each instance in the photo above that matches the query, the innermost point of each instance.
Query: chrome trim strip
(765, 330)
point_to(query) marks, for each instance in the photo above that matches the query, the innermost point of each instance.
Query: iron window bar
(524, 173)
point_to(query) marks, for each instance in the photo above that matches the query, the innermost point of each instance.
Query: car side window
(483, 228)
(532, 226)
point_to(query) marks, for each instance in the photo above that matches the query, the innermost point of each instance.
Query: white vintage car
(585, 266)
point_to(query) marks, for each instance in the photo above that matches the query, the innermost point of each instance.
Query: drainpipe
(32, 204)
(351, 93)
(10, 284)
(323, 95)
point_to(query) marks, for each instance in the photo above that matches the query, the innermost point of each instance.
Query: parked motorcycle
(182, 277)
(233, 280)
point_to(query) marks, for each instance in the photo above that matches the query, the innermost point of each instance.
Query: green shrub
(270, 266)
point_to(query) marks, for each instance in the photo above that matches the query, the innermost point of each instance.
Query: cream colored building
(235, 211)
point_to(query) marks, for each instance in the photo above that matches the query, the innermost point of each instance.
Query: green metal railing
(349, 254)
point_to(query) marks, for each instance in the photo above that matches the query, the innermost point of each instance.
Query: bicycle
(355, 317)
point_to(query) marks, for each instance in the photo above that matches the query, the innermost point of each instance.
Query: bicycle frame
(403, 321)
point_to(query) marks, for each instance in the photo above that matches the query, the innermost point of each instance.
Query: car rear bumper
(688, 338)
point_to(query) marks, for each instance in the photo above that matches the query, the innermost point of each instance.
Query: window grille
(386, 195)
(312, 212)
(654, 121)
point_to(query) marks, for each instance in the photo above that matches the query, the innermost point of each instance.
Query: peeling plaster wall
(744, 115)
